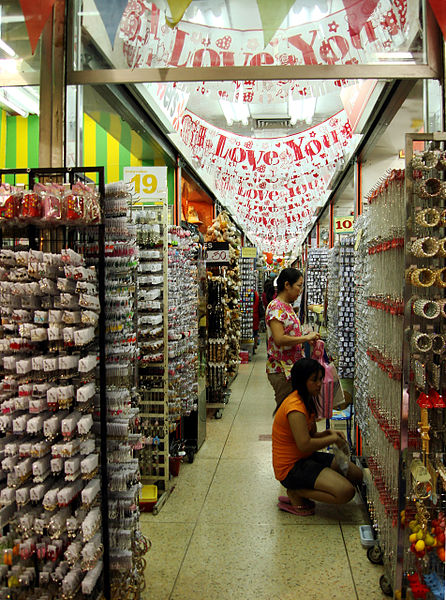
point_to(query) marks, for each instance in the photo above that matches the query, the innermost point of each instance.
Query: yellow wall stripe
(112, 158)
(22, 147)
(3, 141)
(89, 145)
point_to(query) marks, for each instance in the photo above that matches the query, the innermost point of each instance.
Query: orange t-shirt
(285, 451)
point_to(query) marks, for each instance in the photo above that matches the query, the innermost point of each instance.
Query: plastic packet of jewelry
(70, 448)
(87, 446)
(25, 449)
(66, 285)
(434, 373)
(38, 405)
(72, 582)
(41, 467)
(69, 300)
(23, 469)
(7, 496)
(73, 552)
(40, 390)
(37, 362)
(40, 316)
(89, 301)
(57, 465)
(342, 456)
(19, 424)
(55, 316)
(35, 424)
(68, 362)
(39, 334)
(90, 492)
(72, 467)
(69, 423)
(9, 462)
(70, 257)
(5, 423)
(82, 337)
(85, 392)
(39, 449)
(89, 464)
(85, 424)
(51, 426)
(51, 364)
(69, 492)
(48, 287)
(22, 495)
(88, 317)
(11, 448)
(71, 317)
(86, 288)
(121, 560)
(91, 523)
(91, 578)
(87, 363)
(55, 333)
(11, 405)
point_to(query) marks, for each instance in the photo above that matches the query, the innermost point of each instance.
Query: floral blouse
(281, 359)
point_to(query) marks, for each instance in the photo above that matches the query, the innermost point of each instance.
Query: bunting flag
(272, 15)
(358, 13)
(439, 8)
(177, 10)
(36, 13)
(111, 12)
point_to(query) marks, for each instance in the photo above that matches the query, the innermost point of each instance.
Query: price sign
(147, 184)
(248, 252)
(344, 224)
(217, 253)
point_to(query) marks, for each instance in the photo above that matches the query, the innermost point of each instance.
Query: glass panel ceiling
(230, 33)
(15, 49)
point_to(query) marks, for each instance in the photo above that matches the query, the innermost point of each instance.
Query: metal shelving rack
(154, 402)
(62, 236)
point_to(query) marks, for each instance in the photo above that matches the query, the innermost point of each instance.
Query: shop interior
(159, 163)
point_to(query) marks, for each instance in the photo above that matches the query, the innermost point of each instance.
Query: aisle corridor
(220, 536)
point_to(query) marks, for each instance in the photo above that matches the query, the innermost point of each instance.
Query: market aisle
(221, 536)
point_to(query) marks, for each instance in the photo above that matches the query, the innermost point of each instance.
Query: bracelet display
(421, 342)
(440, 277)
(428, 217)
(425, 247)
(426, 160)
(438, 343)
(431, 188)
(423, 277)
(429, 309)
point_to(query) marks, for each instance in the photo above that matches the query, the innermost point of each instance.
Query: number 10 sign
(147, 184)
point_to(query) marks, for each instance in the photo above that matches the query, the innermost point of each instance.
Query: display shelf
(54, 432)
(247, 288)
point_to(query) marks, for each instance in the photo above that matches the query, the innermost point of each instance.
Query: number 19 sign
(147, 184)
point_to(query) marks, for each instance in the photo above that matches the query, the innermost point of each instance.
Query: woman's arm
(280, 339)
(302, 437)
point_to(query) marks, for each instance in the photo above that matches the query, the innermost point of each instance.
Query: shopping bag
(331, 395)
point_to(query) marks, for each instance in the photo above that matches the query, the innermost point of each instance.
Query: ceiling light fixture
(235, 112)
(301, 110)
(7, 49)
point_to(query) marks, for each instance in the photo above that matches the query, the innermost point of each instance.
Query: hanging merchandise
(223, 316)
(123, 437)
(247, 289)
(316, 275)
(152, 334)
(399, 347)
(183, 327)
(54, 453)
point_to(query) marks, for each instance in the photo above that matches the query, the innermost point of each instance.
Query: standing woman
(284, 333)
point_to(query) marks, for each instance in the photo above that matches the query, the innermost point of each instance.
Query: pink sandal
(307, 503)
(301, 511)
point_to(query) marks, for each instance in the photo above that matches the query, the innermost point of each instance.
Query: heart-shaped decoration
(224, 43)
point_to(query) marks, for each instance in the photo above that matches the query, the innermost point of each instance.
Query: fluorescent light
(19, 100)
(12, 19)
(235, 112)
(7, 49)
(301, 110)
(4, 99)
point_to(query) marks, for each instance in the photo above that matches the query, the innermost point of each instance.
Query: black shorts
(305, 472)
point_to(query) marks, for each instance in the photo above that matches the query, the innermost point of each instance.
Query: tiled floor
(220, 536)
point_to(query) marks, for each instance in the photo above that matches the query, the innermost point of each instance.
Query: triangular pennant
(358, 13)
(36, 13)
(439, 8)
(177, 10)
(111, 12)
(272, 15)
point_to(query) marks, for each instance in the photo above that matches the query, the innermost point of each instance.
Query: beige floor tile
(365, 574)
(169, 544)
(265, 562)
(187, 498)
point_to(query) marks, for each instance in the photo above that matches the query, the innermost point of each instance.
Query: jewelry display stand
(54, 491)
(247, 288)
(399, 391)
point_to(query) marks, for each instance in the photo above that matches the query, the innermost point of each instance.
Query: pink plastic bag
(330, 385)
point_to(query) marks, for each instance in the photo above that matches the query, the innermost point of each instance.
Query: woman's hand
(313, 336)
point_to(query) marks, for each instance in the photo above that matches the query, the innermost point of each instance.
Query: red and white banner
(149, 42)
(271, 184)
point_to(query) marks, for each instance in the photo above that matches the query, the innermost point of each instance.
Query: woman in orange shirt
(306, 473)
